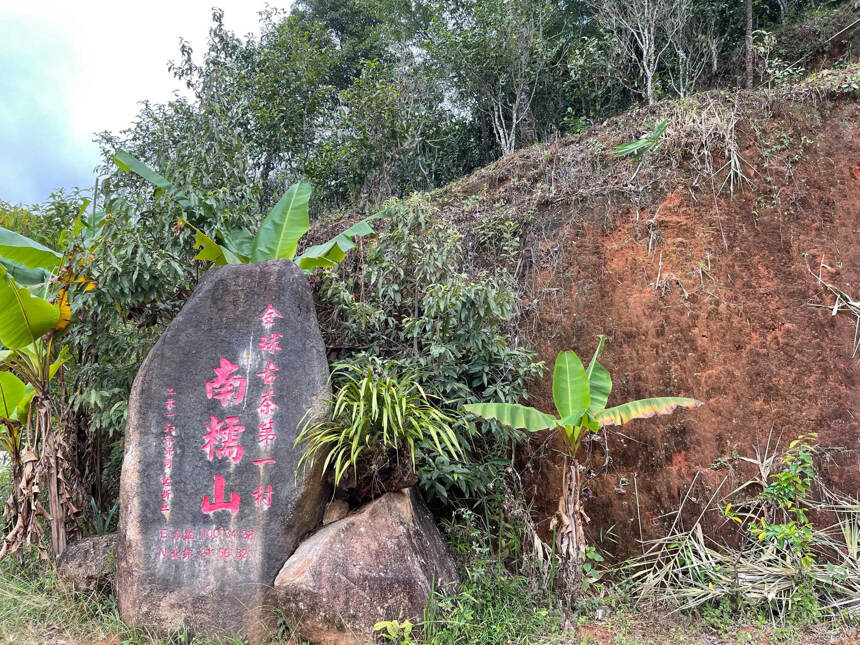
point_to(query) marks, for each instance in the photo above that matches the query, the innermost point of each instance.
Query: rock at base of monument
(379, 563)
(89, 564)
(211, 501)
(335, 510)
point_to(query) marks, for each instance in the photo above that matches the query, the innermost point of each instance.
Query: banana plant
(580, 395)
(30, 324)
(15, 398)
(279, 233)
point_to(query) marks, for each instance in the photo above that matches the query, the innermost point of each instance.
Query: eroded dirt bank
(704, 289)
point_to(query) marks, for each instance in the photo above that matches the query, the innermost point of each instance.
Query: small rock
(337, 509)
(379, 563)
(89, 564)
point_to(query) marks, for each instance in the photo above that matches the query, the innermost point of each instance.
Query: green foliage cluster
(411, 299)
(787, 492)
(377, 408)
(494, 605)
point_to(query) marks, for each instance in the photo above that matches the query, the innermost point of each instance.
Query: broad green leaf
(599, 386)
(601, 339)
(569, 384)
(25, 276)
(132, 164)
(513, 415)
(599, 381)
(210, 250)
(61, 360)
(362, 228)
(572, 420)
(284, 226)
(589, 422)
(334, 251)
(643, 409)
(239, 241)
(12, 390)
(324, 255)
(23, 317)
(22, 250)
(20, 413)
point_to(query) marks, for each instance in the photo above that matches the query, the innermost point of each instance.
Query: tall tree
(497, 53)
(748, 45)
(643, 31)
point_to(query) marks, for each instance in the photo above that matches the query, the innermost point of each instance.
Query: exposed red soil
(731, 326)
(699, 296)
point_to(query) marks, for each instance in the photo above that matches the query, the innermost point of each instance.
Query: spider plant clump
(382, 423)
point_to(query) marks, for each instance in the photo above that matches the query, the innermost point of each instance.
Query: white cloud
(70, 69)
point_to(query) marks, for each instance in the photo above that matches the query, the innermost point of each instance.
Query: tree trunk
(58, 512)
(51, 468)
(748, 45)
(571, 535)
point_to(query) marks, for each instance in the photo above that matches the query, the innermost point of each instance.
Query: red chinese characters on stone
(223, 439)
(266, 433)
(218, 503)
(269, 316)
(271, 343)
(169, 437)
(267, 405)
(261, 497)
(268, 375)
(226, 387)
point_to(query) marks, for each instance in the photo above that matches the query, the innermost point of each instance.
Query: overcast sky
(70, 68)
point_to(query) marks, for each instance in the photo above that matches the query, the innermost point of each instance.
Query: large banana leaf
(25, 276)
(513, 415)
(284, 226)
(210, 249)
(23, 317)
(240, 242)
(22, 250)
(599, 385)
(12, 391)
(569, 384)
(643, 409)
(599, 381)
(334, 251)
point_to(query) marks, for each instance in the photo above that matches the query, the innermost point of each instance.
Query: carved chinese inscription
(216, 419)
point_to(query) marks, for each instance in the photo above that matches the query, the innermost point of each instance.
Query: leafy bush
(414, 298)
(377, 409)
(493, 605)
(782, 567)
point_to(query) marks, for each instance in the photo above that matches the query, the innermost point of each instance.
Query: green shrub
(416, 296)
(377, 409)
(493, 605)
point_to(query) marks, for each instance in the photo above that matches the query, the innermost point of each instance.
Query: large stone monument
(210, 502)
